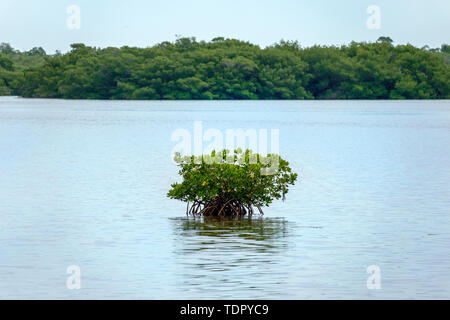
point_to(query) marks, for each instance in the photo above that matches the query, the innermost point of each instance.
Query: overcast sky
(29, 23)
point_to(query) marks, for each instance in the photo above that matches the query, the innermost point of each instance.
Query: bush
(224, 184)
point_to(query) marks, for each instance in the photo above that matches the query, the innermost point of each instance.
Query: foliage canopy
(230, 184)
(229, 69)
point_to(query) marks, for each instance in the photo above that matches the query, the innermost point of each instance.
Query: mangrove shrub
(225, 184)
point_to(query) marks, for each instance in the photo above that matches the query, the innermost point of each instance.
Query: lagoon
(84, 183)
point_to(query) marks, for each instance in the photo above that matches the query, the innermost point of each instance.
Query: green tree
(385, 40)
(231, 184)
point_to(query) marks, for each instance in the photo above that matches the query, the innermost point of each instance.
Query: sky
(29, 23)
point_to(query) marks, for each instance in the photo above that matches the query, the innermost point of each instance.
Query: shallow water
(84, 183)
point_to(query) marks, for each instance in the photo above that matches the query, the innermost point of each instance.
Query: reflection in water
(264, 230)
(223, 255)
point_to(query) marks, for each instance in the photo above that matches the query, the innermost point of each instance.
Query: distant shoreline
(230, 69)
(229, 100)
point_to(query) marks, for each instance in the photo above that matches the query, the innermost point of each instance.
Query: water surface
(84, 183)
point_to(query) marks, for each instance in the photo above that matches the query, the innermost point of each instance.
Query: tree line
(229, 69)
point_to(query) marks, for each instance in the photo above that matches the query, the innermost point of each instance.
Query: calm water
(84, 183)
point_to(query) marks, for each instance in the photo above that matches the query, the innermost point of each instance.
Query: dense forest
(229, 69)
